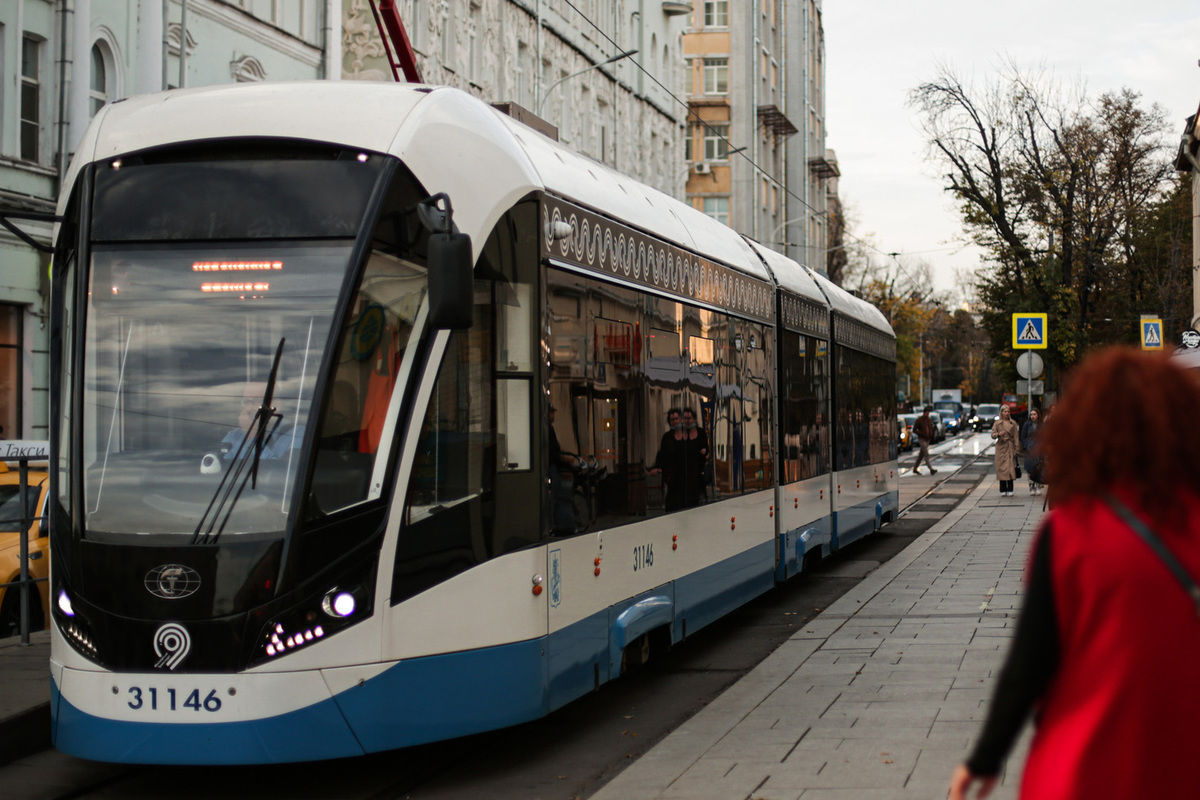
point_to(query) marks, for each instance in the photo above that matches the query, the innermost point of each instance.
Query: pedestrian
(923, 428)
(1029, 446)
(1107, 643)
(1005, 432)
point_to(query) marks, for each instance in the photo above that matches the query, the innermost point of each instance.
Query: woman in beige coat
(1006, 433)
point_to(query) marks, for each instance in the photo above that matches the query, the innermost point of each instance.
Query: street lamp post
(555, 85)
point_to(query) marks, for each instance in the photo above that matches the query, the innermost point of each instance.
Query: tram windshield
(182, 344)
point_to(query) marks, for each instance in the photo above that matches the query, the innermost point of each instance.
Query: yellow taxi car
(10, 549)
(906, 434)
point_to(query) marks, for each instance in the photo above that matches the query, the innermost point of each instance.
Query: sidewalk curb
(654, 772)
(25, 733)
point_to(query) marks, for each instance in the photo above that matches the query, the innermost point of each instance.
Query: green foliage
(1075, 203)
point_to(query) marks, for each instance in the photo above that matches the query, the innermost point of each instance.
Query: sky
(877, 51)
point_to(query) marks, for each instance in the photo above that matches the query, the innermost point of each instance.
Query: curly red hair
(1128, 419)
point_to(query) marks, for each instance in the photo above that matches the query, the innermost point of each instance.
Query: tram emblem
(172, 581)
(172, 645)
(555, 578)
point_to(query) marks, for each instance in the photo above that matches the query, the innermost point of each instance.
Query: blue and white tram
(312, 347)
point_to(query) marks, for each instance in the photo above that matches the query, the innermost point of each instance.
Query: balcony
(776, 121)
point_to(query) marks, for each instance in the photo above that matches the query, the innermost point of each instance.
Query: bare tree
(1054, 188)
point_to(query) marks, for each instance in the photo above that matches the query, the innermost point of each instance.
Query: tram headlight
(64, 603)
(73, 625)
(339, 603)
(346, 601)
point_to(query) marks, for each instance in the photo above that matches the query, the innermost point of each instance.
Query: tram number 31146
(643, 556)
(169, 700)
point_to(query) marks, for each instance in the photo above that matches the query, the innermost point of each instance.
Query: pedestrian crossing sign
(1152, 338)
(1030, 331)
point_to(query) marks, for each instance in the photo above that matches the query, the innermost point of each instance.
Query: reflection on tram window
(370, 356)
(166, 379)
(865, 403)
(806, 407)
(622, 367)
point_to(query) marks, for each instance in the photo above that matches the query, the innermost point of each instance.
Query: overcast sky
(878, 50)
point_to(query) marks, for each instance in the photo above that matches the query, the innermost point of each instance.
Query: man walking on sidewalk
(924, 431)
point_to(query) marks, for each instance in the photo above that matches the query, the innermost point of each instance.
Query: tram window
(370, 355)
(865, 404)
(514, 439)
(244, 199)
(755, 364)
(805, 412)
(66, 444)
(514, 298)
(472, 494)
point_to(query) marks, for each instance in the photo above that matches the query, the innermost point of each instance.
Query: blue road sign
(1030, 331)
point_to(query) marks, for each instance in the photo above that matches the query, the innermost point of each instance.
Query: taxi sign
(1152, 338)
(1030, 331)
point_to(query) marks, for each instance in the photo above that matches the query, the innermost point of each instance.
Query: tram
(312, 347)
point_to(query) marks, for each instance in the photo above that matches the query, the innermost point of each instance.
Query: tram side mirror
(451, 278)
(451, 282)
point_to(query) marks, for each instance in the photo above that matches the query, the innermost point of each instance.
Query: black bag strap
(1148, 536)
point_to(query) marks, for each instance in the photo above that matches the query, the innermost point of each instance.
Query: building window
(717, 208)
(716, 142)
(31, 98)
(716, 13)
(716, 75)
(100, 80)
(10, 372)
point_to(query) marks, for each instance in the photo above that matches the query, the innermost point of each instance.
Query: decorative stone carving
(173, 40)
(361, 46)
(247, 69)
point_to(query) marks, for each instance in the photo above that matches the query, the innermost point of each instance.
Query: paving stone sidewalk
(878, 697)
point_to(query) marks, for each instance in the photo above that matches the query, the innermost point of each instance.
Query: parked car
(985, 416)
(950, 419)
(10, 552)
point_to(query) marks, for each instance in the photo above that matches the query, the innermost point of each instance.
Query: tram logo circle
(172, 645)
(172, 581)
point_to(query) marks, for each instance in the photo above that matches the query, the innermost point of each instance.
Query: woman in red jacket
(1107, 646)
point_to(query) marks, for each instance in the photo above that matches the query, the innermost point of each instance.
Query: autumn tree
(1060, 192)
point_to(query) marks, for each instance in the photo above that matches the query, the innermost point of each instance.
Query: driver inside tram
(280, 436)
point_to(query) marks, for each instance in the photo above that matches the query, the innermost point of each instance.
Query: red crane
(395, 37)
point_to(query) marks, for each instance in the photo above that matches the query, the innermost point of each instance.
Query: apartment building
(755, 140)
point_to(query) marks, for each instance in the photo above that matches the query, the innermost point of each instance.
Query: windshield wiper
(265, 412)
(225, 497)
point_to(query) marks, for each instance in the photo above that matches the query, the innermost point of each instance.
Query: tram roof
(577, 177)
(496, 160)
(789, 274)
(851, 306)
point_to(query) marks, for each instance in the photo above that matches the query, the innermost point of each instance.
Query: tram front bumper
(149, 718)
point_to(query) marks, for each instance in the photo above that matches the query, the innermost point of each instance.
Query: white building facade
(547, 56)
(60, 61)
